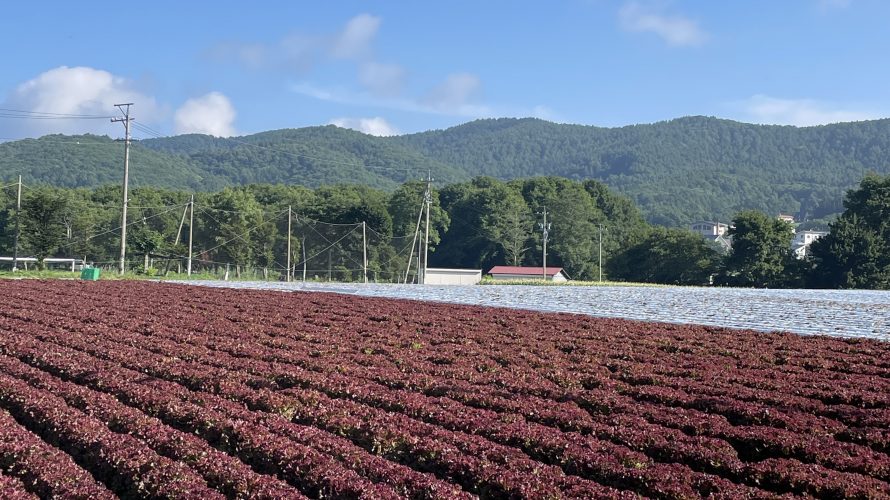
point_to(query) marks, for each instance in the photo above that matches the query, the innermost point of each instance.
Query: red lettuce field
(147, 390)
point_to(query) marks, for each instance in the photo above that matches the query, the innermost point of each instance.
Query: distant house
(787, 218)
(709, 229)
(722, 242)
(527, 273)
(442, 276)
(800, 245)
(714, 232)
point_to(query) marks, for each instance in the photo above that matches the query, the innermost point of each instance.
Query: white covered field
(846, 313)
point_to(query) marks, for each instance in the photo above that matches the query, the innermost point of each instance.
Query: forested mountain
(90, 161)
(680, 170)
(676, 171)
(312, 156)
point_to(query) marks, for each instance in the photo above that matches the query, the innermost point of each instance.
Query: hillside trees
(335, 232)
(856, 252)
(491, 224)
(669, 256)
(228, 226)
(43, 226)
(574, 218)
(676, 171)
(154, 216)
(761, 251)
(510, 224)
(84, 220)
(7, 219)
(496, 223)
(404, 206)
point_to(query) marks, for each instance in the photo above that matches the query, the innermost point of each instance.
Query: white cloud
(355, 39)
(371, 126)
(452, 98)
(301, 51)
(382, 79)
(799, 112)
(455, 92)
(676, 30)
(211, 114)
(79, 90)
(296, 52)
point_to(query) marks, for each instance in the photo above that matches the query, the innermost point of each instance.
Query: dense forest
(676, 171)
(331, 230)
(480, 223)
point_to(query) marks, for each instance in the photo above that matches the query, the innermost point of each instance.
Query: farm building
(527, 273)
(442, 276)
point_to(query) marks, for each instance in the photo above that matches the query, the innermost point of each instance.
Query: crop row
(269, 394)
(195, 411)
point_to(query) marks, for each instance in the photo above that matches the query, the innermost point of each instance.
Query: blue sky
(232, 68)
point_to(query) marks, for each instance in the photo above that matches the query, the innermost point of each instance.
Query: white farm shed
(442, 276)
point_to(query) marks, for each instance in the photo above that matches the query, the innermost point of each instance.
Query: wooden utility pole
(413, 241)
(185, 211)
(126, 121)
(428, 200)
(288, 243)
(191, 228)
(545, 231)
(365, 250)
(18, 226)
(303, 246)
(601, 253)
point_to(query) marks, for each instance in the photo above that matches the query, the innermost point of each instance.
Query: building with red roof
(527, 273)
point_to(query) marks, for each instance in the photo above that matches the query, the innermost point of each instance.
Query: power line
(46, 115)
(329, 247)
(72, 142)
(103, 233)
(147, 129)
(245, 233)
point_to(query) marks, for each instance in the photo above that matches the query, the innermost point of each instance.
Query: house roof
(525, 271)
(710, 223)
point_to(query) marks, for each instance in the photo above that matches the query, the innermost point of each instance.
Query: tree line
(677, 171)
(475, 224)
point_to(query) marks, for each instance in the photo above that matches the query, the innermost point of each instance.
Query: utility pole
(288, 243)
(178, 237)
(601, 253)
(191, 228)
(545, 231)
(365, 249)
(303, 246)
(126, 121)
(18, 227)
(413, 241)
(428, 199)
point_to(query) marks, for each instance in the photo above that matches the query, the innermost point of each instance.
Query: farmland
(840, 313)
(151, 390)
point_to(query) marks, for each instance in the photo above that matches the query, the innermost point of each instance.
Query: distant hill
(90, 160)
(680, 170)
(677, 171)
(311, 156)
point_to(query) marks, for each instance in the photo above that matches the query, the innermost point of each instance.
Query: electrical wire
(327, 248)
(245, 233)
(39, 115)
(118, 228)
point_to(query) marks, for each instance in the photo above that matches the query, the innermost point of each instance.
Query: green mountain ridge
(677, 171)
